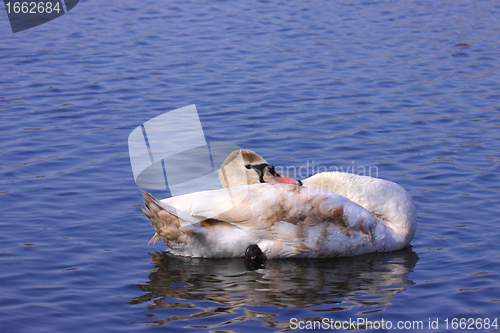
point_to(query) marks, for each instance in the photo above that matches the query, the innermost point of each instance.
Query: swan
(330, 214)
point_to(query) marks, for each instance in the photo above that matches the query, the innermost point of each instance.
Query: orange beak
(281, 179)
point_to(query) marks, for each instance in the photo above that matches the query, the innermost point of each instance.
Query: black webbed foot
(254, 257)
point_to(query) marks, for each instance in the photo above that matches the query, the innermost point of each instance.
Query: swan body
(333, 214)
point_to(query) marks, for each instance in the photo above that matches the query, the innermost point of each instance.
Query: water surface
(408, 91)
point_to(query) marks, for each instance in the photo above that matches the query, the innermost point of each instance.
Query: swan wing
(285, 220)
(262, 205)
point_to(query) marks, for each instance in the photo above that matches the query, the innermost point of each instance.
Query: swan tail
(172, 226)
(154, 239)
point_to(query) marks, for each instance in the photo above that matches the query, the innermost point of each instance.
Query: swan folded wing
(248, 207)
(260, 206)
(284, 220)
(318, 223)
(296, 220)
(209, 204)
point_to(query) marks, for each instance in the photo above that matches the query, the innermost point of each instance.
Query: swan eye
(248, 166)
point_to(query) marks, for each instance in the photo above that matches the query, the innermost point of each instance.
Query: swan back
(385, 200)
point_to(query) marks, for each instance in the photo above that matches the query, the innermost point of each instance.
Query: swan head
(245, 167)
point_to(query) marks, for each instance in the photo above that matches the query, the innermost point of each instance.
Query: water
(306, 84)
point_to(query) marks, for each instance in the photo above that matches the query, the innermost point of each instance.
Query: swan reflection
(319, 285)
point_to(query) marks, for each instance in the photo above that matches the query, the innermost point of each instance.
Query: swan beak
(281, 179)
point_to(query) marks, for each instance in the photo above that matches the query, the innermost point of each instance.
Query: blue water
(410, 89)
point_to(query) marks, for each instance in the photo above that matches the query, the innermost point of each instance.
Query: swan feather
(283, 220)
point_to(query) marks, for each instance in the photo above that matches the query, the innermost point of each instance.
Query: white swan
(333, 214)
